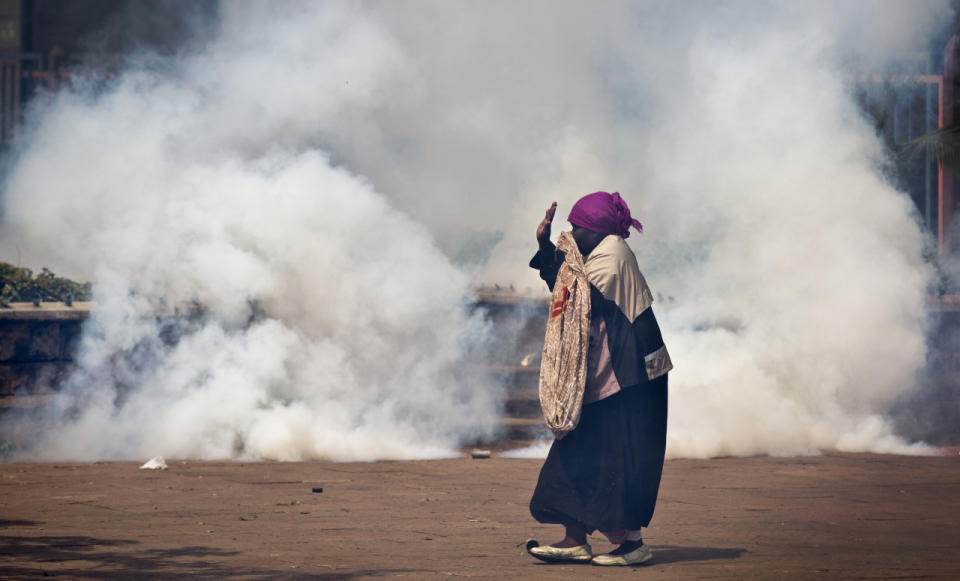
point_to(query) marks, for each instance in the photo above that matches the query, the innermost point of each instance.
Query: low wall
(37, 344)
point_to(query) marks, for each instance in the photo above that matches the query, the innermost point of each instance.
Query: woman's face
(586, 240)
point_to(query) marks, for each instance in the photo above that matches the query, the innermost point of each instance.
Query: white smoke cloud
(233, 173)
(805, 318)
(176, 186)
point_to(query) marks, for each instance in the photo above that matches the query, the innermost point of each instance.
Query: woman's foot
(569, 542)
(628, 553)
(626, 547)
(554, 554)
(576, 537)
(572, 549)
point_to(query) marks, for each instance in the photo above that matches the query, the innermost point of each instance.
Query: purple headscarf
(604, 213)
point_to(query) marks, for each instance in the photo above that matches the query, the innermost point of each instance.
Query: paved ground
(836, 516)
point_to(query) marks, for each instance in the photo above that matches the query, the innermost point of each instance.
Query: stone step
(522, 407)
(512, 376)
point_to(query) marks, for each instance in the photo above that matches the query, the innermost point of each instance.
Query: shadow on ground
(18, 523)
(92, 558)
(663, 554)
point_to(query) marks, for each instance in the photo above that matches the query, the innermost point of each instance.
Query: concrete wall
(37, 345)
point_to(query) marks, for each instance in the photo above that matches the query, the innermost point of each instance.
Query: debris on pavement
(155, 463)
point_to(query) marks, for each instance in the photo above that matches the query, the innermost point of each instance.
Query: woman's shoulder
(612, 250)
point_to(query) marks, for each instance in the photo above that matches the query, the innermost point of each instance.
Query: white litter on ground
(155, 463)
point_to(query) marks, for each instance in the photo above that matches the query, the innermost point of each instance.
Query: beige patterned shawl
(563, 371)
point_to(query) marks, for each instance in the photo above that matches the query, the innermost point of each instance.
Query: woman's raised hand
(543, 230)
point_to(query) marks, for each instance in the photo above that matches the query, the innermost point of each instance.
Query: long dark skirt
(605, 474)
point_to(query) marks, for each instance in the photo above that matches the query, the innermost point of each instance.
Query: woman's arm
(547, 260)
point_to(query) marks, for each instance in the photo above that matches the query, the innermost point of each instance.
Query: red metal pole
(941, 222)
(947, 181)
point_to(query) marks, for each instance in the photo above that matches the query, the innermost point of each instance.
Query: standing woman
(604, 475)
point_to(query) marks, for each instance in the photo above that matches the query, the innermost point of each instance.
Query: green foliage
(942, 144)
(21, 285)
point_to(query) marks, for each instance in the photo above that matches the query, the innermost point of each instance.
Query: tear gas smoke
(332, 324)
(299, 175)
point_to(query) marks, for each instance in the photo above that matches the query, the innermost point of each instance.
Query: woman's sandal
(580, 554)
(635, 557)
